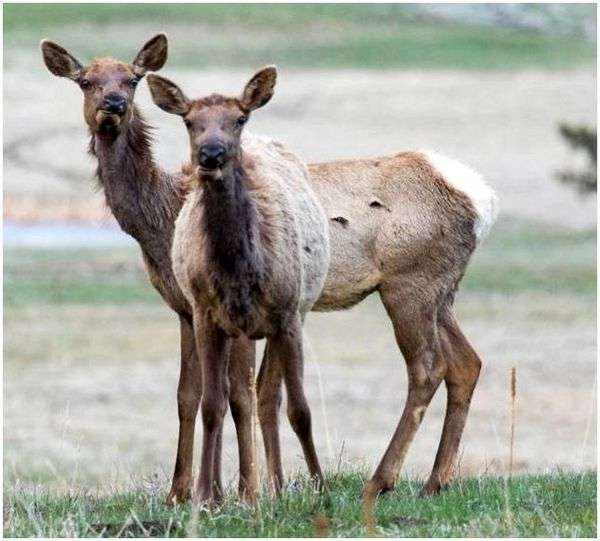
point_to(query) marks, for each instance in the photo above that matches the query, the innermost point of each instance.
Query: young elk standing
(250, 251)
(145, 200)
(406, 226)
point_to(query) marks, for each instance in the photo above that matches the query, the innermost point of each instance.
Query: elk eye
(133, 83)
(241, 121)
(84, 84)
(187, 123)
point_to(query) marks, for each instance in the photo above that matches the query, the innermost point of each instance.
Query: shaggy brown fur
(237, 251)
(145, 201)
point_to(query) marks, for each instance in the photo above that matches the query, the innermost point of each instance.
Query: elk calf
(250, 252)
(145, 200)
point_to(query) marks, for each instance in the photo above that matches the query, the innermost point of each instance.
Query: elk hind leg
(415, 328)
(463, 366)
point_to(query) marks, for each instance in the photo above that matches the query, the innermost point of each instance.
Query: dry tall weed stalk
(310, 354)
(588, 424)
(513, 412)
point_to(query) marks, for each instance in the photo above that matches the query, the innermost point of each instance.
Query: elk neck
(231, 226)
(144, 199)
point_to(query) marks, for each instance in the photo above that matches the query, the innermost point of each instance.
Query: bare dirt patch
(502, 123)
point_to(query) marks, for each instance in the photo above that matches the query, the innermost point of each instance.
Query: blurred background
(91, 352)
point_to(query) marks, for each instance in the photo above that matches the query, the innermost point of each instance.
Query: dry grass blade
(513, 408)
(321, 525)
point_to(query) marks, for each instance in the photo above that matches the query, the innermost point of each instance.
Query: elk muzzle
(111, 112)
(212, 155)
(115, 104)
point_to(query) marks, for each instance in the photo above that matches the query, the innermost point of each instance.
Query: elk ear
(152, 55)
(260, 88)
(168, 96)
(59, 61)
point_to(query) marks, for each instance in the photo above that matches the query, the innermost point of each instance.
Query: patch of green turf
(553, 505)
(20, 16)
(312, 35)
(518, 257)
(86, 276)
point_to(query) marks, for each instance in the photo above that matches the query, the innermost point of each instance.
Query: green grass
(518, 257)
(312, 35)
(561, 504)
(521, 257)
(83, 276)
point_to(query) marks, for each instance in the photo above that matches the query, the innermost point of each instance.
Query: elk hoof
(178, 495)
(431, 488)
(249, 497)
(208, 501)
(375, 487)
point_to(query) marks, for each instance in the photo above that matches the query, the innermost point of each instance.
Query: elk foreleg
(213, 348)
(241, 401)
(189, 392)
(269, 388)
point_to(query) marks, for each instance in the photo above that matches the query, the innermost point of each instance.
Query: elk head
(214, 123)
(108, 85)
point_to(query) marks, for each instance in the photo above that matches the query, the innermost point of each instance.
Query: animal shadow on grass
(148, 528)
(408, 522)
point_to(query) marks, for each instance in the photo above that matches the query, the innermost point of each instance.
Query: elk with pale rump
(404, 226)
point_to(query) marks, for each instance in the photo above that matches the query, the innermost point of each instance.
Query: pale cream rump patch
(461, 177)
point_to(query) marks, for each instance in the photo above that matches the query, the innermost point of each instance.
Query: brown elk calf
(145, 200)
(406, 226)
(250, 251)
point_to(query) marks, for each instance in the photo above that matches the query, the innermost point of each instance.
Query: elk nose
(114, 103)
(212, 156)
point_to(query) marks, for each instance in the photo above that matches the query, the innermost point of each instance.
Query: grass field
(370, 36)
(557, 505)
(519, 257)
